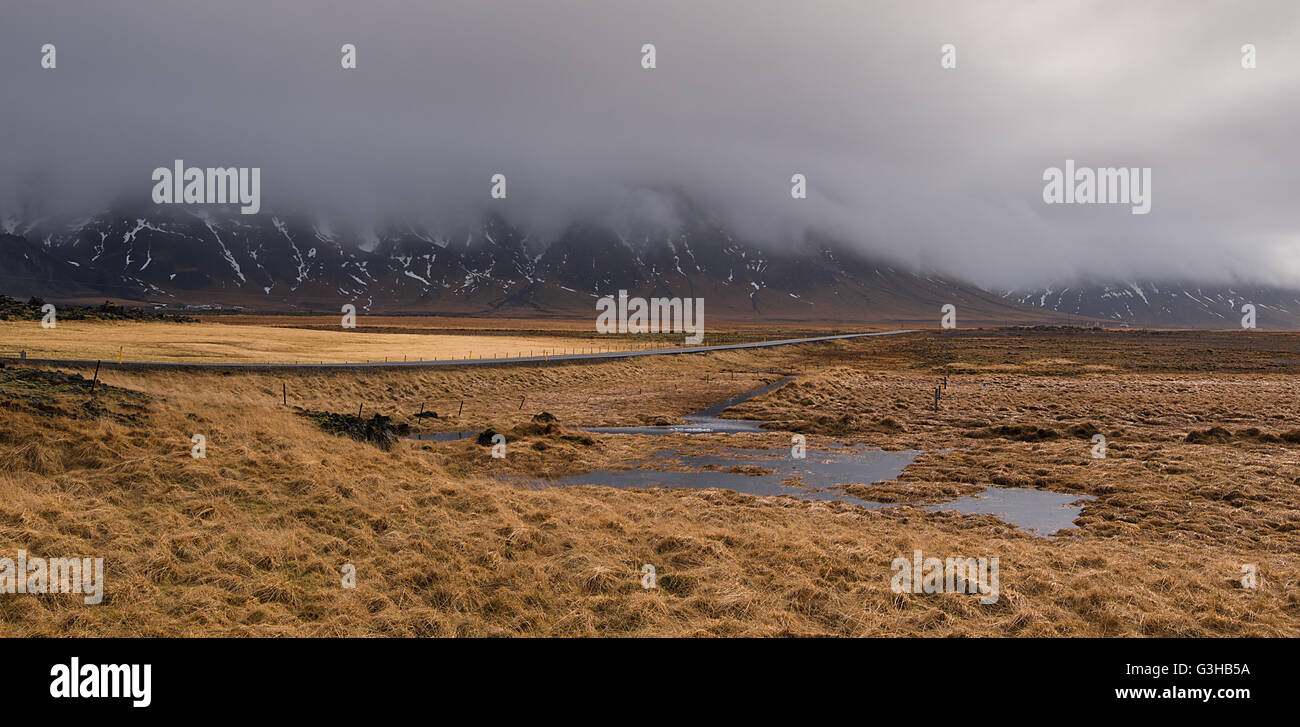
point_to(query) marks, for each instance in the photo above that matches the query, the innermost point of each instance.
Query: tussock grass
(252, 539)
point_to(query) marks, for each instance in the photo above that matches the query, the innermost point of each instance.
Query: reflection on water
(808, 479)
(442, 436)
(820, 476)
(823, 475)
(1038, 511)
(705, 421)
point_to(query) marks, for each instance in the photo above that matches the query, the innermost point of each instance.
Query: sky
(937, 168)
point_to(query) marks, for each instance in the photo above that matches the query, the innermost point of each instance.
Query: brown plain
(252, 539)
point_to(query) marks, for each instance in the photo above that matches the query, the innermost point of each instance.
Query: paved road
(462, 362)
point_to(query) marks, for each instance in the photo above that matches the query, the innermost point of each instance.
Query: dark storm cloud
(938, 168)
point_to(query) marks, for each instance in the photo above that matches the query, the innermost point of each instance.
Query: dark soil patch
(378, 430)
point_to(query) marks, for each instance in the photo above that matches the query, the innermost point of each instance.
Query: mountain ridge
(266, 262)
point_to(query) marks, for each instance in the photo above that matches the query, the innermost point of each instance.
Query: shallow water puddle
(442, 436)
(822, 476)
(808, 479)
(705, 421)
(1040, 512)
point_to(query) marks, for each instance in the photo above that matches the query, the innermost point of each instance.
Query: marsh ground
(251, 539)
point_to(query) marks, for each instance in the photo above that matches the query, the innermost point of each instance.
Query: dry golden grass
(249, 343)
(250, 540)
(555, 325)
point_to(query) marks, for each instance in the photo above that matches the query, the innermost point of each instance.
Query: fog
(937, 168)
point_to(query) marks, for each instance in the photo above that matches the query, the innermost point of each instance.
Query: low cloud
(937, 168)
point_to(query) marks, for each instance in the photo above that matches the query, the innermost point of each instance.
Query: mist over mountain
(176, 257)
(934, 169)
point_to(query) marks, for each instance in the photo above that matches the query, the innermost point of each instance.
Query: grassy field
(251, 539)
(320, 339)
(563, 326)
(252, 342)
